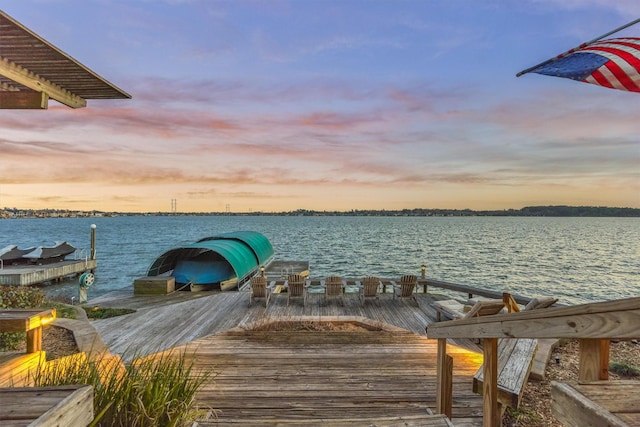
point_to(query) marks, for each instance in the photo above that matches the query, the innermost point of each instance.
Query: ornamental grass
(157, 390)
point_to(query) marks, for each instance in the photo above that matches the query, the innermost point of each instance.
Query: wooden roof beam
(34, 82)
(24, 100)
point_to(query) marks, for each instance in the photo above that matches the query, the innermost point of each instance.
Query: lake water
(576, 259)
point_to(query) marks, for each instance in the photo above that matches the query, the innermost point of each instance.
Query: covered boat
(11, 255)
(49, 254)
(218, 262)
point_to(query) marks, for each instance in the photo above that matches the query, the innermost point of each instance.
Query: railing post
(34, 340)
(594, 360)
(491, 414)
(509, 302)
(444, 394)
(423, 275)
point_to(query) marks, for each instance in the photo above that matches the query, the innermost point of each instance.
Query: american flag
(612, 63)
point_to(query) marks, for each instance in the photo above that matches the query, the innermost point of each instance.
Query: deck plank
(165, 321)
(357, 376)
(284, 378)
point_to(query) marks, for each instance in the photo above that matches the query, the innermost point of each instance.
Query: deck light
(45, 319)
(423, 269)
(262, 270)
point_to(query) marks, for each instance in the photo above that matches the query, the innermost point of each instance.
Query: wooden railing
(594, 325)
(423, 286)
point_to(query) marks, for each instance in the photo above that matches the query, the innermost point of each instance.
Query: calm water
(575, 259)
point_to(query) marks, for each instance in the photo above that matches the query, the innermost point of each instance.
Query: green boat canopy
(257, 242)
(241, 252)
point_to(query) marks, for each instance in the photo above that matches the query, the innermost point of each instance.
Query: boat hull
(202, 272)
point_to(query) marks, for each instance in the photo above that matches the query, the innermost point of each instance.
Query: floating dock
(34, 274)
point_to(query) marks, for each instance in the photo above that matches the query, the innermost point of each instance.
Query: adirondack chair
(369, 289)
(259, 290)
(334, 288)
(296, 288)
(406, 288)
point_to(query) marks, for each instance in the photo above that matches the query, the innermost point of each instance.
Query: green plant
(63, 311)
(624, 369)
(20, 297)
(105, 313)
(157, 390)
(10, 341)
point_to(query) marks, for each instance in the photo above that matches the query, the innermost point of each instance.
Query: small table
(31, 321)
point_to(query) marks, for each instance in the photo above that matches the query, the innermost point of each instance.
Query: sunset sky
(329, 105)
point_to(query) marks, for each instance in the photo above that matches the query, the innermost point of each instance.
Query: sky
(279, 105)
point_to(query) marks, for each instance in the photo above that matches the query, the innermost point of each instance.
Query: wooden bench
(596, 403)
(69, 406)
(452, 309)
(515, 358)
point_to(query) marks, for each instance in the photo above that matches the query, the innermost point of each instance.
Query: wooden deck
(266, 378)
(33, 274)
(383, 377)
(165, 321)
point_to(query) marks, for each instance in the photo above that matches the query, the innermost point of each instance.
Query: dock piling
(93, 241)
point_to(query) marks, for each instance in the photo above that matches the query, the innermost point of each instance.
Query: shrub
(156, 390)
(20, 297)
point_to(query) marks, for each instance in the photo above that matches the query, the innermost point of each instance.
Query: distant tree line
(552, 211)
(548, 211)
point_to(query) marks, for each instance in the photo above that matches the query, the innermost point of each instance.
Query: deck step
(425, 420)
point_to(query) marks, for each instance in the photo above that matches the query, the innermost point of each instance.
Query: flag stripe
(598, 78)
(613, 63)
(622, 64)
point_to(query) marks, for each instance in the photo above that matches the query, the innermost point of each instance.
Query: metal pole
(528, 70)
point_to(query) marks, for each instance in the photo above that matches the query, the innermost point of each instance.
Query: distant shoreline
(530, 211)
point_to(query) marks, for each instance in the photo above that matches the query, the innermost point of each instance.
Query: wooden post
(93, 241)
(447, 404)
(444, 393)
(510, 303)
(594, 360)
(82, 295)
(491, 415)
(423, 275)
(34, 340)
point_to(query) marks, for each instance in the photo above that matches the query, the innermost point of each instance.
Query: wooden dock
(290, 378)
(34, 274)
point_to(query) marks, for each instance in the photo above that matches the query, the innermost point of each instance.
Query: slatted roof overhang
(32, 70)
